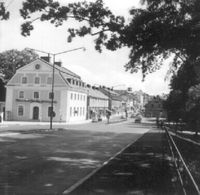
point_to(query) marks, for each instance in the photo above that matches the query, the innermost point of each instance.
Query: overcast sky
(106, 68)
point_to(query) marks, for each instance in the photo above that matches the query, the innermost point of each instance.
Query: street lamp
(53, 72)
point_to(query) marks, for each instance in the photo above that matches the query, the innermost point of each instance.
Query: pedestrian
(126, 114)
(108, 116)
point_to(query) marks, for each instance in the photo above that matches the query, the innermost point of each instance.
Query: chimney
(129, 89)
(45, 58)
(58, 64)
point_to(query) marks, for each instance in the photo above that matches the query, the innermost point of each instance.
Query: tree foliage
(4, 14)
(162, 28)
(174, 106)
(11, 60)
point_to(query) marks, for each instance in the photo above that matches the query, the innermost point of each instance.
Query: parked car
(138, 119)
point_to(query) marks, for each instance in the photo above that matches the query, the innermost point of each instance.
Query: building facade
(29, 94)
(97, 103)
(115, 103)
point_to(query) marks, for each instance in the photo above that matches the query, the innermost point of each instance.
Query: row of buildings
(29, 96)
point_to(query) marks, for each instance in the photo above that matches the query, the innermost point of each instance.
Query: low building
(29, 94)
(127, 99)
(115, 104)
(97, 103)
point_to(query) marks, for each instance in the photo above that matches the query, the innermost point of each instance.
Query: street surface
(144, 167)
(35, 160)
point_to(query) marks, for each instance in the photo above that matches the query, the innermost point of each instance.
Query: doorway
(35, 113)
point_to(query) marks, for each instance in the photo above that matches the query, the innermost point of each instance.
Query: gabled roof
(110, 93)
(96, 93)
(66, 71)
(62, 69)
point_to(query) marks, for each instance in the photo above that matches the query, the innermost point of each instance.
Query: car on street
(138, 119)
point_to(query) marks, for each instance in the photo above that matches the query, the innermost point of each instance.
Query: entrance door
(35, 113)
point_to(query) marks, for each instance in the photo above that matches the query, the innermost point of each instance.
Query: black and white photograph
(99, 97)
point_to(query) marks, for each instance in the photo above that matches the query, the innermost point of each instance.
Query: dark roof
(96, 93)
(62, 69)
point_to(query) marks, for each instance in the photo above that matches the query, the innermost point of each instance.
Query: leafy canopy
(11, 60)
(162, 28)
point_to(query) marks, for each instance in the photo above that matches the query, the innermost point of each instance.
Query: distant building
(127, 99)
(115, 101)
(28, 96)
(97, 103)
(154, 108)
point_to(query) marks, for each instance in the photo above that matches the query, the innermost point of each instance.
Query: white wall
(79, 104)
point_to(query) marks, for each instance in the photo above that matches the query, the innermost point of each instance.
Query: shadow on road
(143, 168)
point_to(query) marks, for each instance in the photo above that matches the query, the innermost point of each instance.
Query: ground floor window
(70, 111)
(80, 111)
(49, 111)
(20, 110)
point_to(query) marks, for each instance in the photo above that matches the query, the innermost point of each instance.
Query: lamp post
(53, 73)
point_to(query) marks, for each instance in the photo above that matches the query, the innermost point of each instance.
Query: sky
(106, 68)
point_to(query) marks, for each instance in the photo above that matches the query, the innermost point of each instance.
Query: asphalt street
(35, 160)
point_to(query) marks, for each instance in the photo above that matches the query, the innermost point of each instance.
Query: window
(49, 111)
(71, 96)
(24, 80)
(36, 95)
(83, 110)
(69, 80)
(21, 94)
(74, 111)
(49, 80)
(80, 111)
(78, 97)
(70, 111)
(20, 111)
(77, 110)
(50, 95)
(76, 82)
(75, 96)
(37, 80)
(37, 66)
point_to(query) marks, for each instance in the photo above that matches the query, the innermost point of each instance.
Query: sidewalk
(142, 168)
(16, 125)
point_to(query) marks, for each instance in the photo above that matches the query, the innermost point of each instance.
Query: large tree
(153, 33)
(161, 28)
(11, 60)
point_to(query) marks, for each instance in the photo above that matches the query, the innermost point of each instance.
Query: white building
(28, 96)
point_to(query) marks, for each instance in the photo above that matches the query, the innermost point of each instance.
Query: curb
(81, 181)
